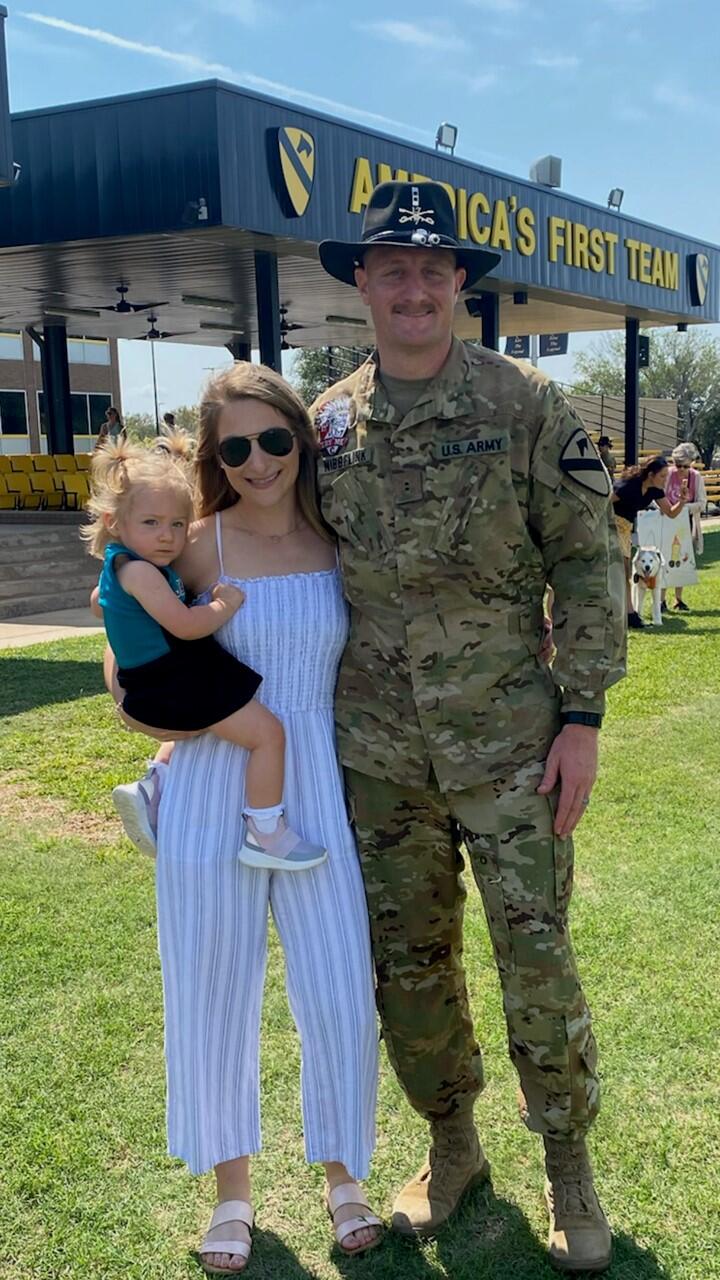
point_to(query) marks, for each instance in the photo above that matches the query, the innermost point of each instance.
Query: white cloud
(630, 6)
(499, 6)
(190, 62)
(245, 11)
(427, 36)
(630, 114)
(556, 61)
(479, 84)
(671, 94)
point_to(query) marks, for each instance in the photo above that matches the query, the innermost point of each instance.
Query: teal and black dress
(168, 683)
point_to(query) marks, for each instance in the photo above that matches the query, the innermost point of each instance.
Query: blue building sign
(519, 346)
(553, 344)
(139, 164)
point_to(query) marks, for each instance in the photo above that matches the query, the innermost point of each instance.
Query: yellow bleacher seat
(19, 483)
(43, 462)
(83, 461)
(4, 464)
(44, 484)
(8, 501)
(76, 489)
(22, 462)
(65, 462)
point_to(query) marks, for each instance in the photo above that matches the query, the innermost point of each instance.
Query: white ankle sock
(266, 820)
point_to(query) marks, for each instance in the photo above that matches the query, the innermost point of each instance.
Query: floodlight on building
(615, 198)
(520, 298)
(547, 171)
(446, 137)
(213, 304)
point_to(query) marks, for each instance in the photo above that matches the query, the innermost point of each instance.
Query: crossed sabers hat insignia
(416, 214)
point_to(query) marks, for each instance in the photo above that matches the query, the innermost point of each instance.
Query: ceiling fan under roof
(159, 335)
(124, 308)
(121, 308)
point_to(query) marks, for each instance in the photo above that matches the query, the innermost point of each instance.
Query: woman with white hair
(682, 471)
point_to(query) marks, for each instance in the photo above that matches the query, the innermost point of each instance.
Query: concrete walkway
(39, 627)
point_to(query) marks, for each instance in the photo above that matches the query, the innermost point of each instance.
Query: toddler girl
(175, 675)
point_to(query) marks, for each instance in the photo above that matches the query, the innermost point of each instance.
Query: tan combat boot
(579, 1238)
(456, 1162)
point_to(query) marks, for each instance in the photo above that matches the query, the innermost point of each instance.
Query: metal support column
(632, 390)
(490, 319)
(239, 349)
(56, 385)
(268, 309)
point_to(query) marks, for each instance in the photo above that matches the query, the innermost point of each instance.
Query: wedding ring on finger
(585, 801)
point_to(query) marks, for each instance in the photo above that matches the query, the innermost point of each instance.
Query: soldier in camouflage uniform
(460, 484)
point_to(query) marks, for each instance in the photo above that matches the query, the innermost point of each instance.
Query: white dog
(646, 576)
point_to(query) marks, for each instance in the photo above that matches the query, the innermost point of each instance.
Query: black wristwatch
(592, 719)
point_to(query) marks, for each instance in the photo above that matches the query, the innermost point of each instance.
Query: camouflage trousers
(409, 843)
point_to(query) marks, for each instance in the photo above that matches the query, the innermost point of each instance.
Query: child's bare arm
(154, 593)
(94, 603)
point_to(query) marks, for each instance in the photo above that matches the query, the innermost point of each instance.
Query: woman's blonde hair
(119, 469)
(244, 381)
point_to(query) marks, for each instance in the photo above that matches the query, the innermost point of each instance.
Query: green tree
(683, 366)
(317, 368)
(187, 417)
(312, 372)
(140, 426)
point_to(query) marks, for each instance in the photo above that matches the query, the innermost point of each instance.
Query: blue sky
(625, 91)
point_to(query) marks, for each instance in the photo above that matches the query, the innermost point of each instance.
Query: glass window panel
(79, 410)
(98, 405)
(13, 413)
(76, 351)
(97, 351)
(11, 347)
(41, 412)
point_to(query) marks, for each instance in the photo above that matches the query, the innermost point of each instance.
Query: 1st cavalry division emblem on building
(698, 277)
(297, 163)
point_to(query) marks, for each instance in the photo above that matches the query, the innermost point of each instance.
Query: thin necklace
(272, 537)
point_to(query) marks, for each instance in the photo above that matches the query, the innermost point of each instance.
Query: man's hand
(572, 761)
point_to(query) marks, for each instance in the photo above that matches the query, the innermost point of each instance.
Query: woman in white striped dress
(260, 529)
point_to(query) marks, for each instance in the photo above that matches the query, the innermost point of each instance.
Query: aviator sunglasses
(277, 441)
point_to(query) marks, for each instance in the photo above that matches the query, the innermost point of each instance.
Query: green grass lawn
(87, 1190)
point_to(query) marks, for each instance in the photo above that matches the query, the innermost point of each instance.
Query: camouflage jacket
(451, 521)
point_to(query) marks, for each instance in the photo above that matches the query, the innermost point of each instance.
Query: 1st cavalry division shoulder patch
(581, 462)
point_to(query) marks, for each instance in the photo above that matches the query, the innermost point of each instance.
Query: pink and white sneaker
(281, 850)
(138, 803)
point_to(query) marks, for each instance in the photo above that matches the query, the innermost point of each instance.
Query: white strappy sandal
(351, 1193)
(228, 1211)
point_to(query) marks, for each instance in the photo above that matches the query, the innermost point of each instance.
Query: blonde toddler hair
(120, 469)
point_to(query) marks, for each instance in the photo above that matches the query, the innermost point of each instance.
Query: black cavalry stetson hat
(416, 214)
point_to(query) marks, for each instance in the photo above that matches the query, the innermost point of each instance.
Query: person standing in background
(682, 472)
(605, 445)
(112, 428)
(635, 491)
